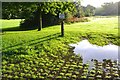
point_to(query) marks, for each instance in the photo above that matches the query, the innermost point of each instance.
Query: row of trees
(28, 9)
(39, 14)
(87, 11)
(108, 9)
(24, 10)
(34, 11)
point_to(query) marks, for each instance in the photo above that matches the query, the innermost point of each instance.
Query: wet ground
(89, 51)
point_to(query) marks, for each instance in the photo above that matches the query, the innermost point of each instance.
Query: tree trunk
(62, 28)
(39, 19)
(40, 22)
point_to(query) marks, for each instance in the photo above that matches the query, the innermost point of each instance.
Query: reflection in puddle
(89, 51)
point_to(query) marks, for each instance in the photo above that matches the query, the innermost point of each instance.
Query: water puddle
(89, 51)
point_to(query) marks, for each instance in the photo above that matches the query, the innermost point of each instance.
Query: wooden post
(62, 17)
(62, 28)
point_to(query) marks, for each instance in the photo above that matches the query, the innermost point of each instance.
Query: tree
(108, 9)
(19, 10)
(78, 9)
(87, 11)
(16, 10)
(90, 10)
(54, 8)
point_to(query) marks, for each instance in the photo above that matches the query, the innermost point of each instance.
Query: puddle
(89, 51)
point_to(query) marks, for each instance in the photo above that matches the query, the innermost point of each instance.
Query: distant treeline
(22, 10)
(108, 9)
(18, 11)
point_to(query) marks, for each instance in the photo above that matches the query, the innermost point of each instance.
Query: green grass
(96, 31)
(10, 23)
(47, 46)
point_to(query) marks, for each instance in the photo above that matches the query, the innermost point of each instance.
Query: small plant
(99, 72)
(64, 70)
(41, 77)
(107, 77)
(98, 76)
(16, 77)
(33, 76)
(50, 76)
(116, 75)
(76, 72)
(56, 69)
(83, 77)
(74, 76)
(115, 69)
(28, 75)
(65, 67)
(68, 74)
(34, 69)
(62, 74)
(80, 67)
(91, 75)
(45, 74)
(108, 67)
(91, 78)
(9, 76)
(59, 77)
(92, 71)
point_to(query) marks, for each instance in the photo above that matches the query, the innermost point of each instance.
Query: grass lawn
(10, 23)
(26, 52)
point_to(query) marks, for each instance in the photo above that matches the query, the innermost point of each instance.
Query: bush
(75, 19)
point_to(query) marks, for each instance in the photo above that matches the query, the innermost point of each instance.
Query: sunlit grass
(97, 27)
(30, 51)
(10, 23)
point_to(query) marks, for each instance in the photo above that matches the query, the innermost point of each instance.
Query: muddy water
(89, 51)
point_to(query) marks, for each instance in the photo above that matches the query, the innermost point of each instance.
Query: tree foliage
(108, 9)
(33, 12)
(17, 9)
(25, 9)
(87, 11)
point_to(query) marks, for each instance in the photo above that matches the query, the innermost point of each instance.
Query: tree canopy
(108, 9)
(35, 9)
(25, 9)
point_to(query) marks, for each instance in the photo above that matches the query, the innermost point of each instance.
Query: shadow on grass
(33, 42)
(17, 28)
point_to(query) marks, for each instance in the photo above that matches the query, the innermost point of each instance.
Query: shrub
(75, 19)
